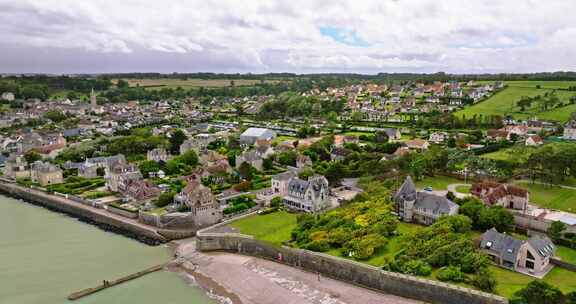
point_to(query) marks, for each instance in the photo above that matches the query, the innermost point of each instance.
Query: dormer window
(488, 245)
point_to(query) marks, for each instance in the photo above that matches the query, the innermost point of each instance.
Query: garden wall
(348, 271)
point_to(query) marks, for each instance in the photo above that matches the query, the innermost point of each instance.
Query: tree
(556, 230)
(55, 115)
(497, 217)
(305, 173)
(356, 116)
(246, 171)
(276, 202)
(176, 139)
(32, 156)
(538, 292)
(288, 158)
(484, 280)
(381, 137)
(148, 166)
(268, 163)
(189, 158)
(165, 199)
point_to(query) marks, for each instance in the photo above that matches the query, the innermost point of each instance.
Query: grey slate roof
(506, 246)
(258, 132)
(436, 203)
(542, 245)
(407, 191)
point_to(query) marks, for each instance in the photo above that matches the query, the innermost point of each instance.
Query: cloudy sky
(302, 36)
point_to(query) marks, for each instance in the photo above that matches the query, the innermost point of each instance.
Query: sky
(297, 36)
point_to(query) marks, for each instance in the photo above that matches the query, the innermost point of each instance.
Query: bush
(451, 274)
(319, 245)
(417, 267)
(484, 280)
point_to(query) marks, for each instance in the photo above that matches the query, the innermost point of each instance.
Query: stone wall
(348, 271)
(563, 264)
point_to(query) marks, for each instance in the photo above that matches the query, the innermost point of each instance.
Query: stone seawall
(97, 217)
(348, 271)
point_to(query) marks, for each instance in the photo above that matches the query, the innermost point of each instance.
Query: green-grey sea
(45, 255)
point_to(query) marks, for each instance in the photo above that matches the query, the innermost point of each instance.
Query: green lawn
(463, 189)
(543, 84)
(274, 228)
(283, 138)
(566, 254)
(437, 182)
(509, 282)
(551, 197)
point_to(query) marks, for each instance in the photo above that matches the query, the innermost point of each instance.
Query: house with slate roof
(307, 195)
(530, 256)
(421, 206)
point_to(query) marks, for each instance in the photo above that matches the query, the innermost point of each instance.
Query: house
(534, 140)
(16, 167)
(46, 174)
(393, 134)
(570, 130)
(141, 191)
(338, 154)
(204, 208)
(119, 177)
(497, 135)
(421, 206)
(252, 157)
(307, 195)
(8, 96)
(251, 135)
(303, 161)
(197, 143)
(532, 255)
(438, 137)
(417, 144)
(280, 182)
(496, 194)
(158, 155)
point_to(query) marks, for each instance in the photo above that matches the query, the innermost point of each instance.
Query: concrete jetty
(107, 284)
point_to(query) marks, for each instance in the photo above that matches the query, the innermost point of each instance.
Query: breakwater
(98, 217)
(107, 284)
(348, 271)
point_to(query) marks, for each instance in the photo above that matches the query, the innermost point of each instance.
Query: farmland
(504, 102)
(192, 83)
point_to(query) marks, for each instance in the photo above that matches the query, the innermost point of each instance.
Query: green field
(191, 83)
(437, 182)
(551, 197)
(273, 228)
(504, 102)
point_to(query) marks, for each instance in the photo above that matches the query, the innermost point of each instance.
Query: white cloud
(266, 35)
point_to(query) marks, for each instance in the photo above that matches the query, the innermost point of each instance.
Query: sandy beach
(239, 279)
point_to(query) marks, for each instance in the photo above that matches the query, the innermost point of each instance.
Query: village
(191, 163)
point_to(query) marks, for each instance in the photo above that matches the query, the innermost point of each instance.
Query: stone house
(438, 137)
(421, 206)
(141, 191)
(280, 182)
(16, 167)
(198, 142)
(204, 208)
(417, 144)
(534, 140)
(158, 155)
(254, 157)
(251, 135)
(532, 255)
(121, 176)
(46, 174)
(570, 130)
(496, 194)
(303, 161)
(307, 195)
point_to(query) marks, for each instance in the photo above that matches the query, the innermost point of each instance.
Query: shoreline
(83, 218)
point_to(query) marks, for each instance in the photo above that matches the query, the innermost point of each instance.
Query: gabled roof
(436, 203)
(506, 246)
(407, 190)
(543, 245)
